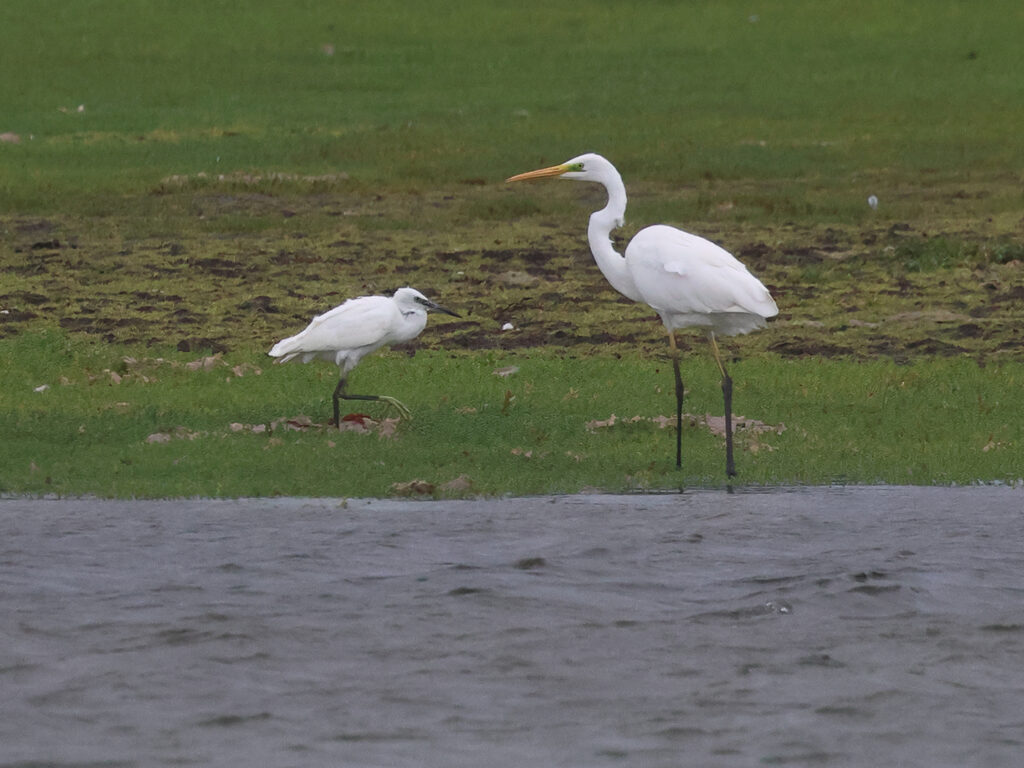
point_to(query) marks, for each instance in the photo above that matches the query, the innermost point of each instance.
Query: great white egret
(350, 331)
(687, 280)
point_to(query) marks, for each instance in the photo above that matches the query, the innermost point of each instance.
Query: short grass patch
(85, 419)
(117, 97)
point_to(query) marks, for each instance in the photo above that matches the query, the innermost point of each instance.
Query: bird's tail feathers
(285, 349)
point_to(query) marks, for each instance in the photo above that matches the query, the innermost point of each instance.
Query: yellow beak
(541, 173)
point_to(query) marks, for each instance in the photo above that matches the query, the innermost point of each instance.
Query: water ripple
(815, 627)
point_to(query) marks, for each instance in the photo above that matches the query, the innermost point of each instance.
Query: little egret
(350, 331)
(687, 280)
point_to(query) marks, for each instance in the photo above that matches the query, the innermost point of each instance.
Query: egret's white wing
(362, 322)
(682, 274)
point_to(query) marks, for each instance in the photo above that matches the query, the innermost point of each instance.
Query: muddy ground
(237, 269)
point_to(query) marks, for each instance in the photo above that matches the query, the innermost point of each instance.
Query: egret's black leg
(339, 394)
(679, 399)
(730, 465)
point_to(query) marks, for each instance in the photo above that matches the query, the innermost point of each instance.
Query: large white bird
(350, 331)
(687, 280)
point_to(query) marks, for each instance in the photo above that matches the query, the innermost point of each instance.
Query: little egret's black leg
(730, 465)
(338, 390)
(339, 394)
(679, 398)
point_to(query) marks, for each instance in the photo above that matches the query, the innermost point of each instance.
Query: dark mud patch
(546, 335)
(1016, 294)
(201, 344)
(935, 347)
(34, 226)
(264, 304)
(100, 325)
(217, 266)
(969, 331)
(809, 348)
(17, 316)
(287, 257)
(24, 297)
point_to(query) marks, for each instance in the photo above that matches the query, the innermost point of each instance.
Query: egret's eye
(577, 167)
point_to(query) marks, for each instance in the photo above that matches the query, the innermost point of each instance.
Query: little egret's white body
(687, 280)
(350, 331)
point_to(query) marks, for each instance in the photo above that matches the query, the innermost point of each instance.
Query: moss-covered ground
(233, 266)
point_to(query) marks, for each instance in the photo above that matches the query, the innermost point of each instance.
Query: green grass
(544, 429)
(425, 94)
(235, 169)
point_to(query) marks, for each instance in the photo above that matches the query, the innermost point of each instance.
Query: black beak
(447, 311)
(438, 308)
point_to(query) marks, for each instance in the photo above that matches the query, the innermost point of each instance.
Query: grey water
(817, 627)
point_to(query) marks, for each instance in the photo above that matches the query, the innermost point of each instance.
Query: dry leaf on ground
(714, 424)
(460, 483)
(387, 427)
(178, 433)
(300, 423)
(353, 422)
(412, 488)
(599, 424)
(206, 363)
(246, 368)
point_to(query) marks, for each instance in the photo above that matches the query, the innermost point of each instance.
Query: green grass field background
(435, 92)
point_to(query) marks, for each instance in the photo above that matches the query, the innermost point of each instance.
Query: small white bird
(873, 202)
(350, 331)
(687, 280)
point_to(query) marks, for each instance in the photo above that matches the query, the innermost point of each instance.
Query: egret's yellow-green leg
(339, 394)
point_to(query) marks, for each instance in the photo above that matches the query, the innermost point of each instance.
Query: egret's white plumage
(350, 331)
(691, 281)
(687, 280)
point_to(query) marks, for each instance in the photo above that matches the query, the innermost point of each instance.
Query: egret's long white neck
(611, 263)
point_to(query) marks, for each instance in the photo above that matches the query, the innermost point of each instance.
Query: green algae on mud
(234, 268)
